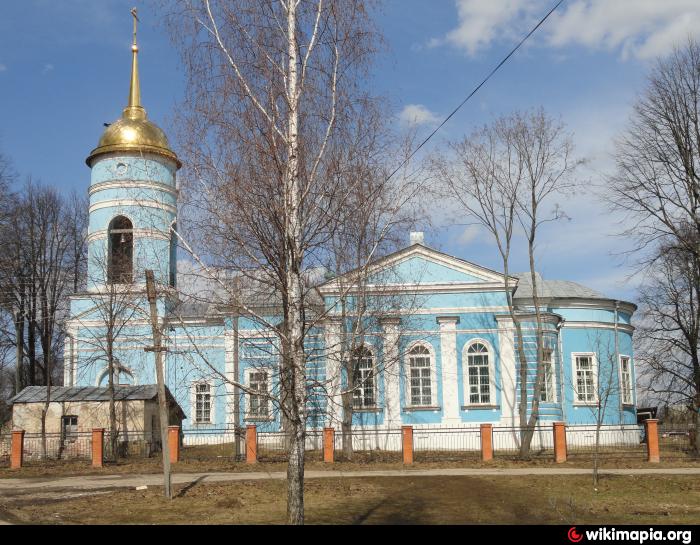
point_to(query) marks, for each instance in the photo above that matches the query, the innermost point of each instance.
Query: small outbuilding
(76, 410)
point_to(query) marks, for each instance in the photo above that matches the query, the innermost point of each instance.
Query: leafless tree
(272, 86)
(105, 326)
(657, 187)
(502, 175)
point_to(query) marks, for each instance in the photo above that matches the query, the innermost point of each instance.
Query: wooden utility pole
(162, 402)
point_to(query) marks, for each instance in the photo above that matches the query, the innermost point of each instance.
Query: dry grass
(388, 500)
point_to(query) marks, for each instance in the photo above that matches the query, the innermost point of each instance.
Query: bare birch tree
(271, 87)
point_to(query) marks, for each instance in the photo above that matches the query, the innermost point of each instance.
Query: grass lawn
(388, 500)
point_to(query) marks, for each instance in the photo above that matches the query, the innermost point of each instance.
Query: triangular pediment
(418, 266)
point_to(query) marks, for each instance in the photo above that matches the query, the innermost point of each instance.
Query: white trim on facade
(131, 184)
(448, 360)
(138, 203)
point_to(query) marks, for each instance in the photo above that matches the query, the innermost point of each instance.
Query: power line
(476, 89)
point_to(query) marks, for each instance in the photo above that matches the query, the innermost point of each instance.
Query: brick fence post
(17, 449)
(559, 430)
(98, 436)
(174, 443)
(407, 444)
(486, 442)
(251, 444)
(652, 433)
(328, 445)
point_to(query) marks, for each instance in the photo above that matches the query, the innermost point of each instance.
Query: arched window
(364, 380)
(420, 377)
(479, 374)
(121, 251)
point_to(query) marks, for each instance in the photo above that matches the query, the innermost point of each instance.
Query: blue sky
(64, 72)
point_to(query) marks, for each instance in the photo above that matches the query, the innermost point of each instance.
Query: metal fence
(5, 446)
(130, 445)
(57, 446)
(213, 445)
(369, 445)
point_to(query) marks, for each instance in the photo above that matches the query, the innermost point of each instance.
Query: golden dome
(133, 131)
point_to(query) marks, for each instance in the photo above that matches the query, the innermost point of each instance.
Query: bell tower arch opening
(121, 251)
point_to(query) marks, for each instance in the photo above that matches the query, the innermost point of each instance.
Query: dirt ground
(383, 500)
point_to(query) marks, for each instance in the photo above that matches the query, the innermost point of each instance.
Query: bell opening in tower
(121, 251)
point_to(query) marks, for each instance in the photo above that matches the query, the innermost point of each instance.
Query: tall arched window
(479, 374)
(363, 395)
(121, 251)
(420, 377)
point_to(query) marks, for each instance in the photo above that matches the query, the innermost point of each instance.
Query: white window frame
(432, 370)
(594, 363)
(246, 415)
(492, 374)
(375, 384)
(212, 403)
(549, 368)
(630, 390)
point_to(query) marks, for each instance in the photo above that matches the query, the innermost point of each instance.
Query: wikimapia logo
(638, 536)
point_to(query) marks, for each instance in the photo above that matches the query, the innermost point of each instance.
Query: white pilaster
(333, 372)
(509, 408)
(448, 357)
(391, 367)
(230, 374)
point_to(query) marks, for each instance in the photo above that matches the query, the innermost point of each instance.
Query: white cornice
(131, 184)
(120, 203)
(138, 233)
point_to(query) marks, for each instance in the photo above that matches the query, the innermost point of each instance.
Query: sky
(64, 69)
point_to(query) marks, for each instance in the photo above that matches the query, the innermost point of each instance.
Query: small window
(363, 395)
(626, 375)
(202, 413)
(547, 388)
(258, 404)
(420, 377)
(478, 374)
(69, 426)
(585, 378)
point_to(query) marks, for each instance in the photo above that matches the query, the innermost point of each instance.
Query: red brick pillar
(251, 444)
(652, 432)
(174, 443)
(407, 444)
(17, 452)
(98, 436)
(486, 442)
(328, 445)
(559, 430)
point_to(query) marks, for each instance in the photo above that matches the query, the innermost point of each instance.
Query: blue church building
(448, 359)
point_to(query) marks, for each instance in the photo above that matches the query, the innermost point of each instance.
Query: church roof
(37, 394)
(554, 288)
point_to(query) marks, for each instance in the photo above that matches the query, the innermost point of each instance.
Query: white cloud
(469, 235)
(47, 68)
(417, 114)
(634, 28)
(3, 68)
